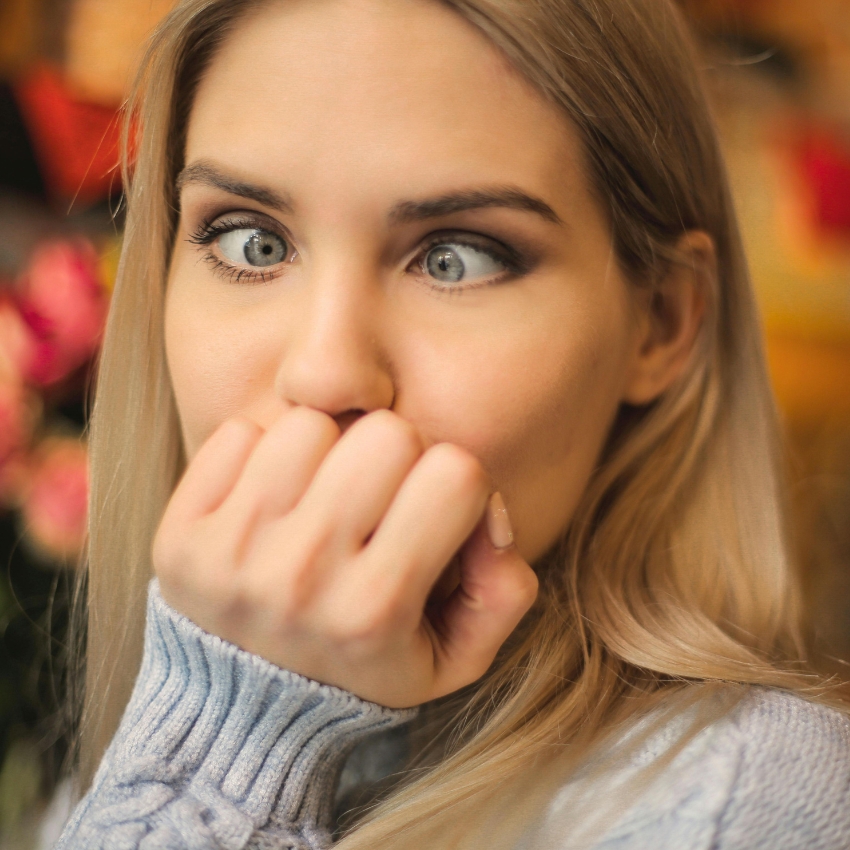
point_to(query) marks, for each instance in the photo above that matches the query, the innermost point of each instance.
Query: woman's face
(377, 212)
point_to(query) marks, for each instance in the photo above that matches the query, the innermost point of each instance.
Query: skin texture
(347, 416)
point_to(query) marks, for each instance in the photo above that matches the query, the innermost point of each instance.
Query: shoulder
(773, 714)
(773, 772)
(783, 730)
(792, 781)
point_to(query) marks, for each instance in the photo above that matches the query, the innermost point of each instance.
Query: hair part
(675, 567)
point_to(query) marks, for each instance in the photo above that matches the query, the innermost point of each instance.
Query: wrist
(236, 743)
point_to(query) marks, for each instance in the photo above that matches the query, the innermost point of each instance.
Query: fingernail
(498, 523)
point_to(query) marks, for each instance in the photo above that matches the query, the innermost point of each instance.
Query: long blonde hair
(675, 567)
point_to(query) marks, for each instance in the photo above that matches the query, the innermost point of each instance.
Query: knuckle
(403, 437)
(529, 588)
(313, 421)
(522, 593)
(390, 429)
(463, 468)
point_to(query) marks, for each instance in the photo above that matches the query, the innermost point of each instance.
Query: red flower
(76, 142)
(17, 343)
(19, 406)
(63, 303)
(824, 160)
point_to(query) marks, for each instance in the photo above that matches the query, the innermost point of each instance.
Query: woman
(443, 309)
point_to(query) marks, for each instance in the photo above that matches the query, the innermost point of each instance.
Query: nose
(333, 360)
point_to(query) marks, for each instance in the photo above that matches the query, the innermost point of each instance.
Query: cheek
(219, 364)
(534, 409)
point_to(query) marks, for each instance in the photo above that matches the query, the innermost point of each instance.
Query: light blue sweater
(221, 749)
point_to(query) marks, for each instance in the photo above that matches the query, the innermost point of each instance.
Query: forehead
(376, 92)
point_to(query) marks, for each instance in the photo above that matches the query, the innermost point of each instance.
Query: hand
(320, 552)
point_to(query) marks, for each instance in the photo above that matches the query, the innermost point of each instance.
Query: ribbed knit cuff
(220, 743)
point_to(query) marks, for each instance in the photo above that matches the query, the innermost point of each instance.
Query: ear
(669, 319)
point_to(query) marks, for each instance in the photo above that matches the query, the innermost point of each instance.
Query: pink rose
(17, 343)
(63, 303)
(20, 407)
(56, 498)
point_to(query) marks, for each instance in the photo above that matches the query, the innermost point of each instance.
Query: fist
(359, 560)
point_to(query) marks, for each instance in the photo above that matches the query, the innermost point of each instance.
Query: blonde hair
(675, 567)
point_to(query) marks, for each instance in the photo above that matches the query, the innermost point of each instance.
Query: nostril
(345, 420)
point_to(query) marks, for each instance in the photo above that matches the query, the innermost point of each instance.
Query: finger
(496, 590)
(282, 464)
(214, 470)
(435, 510)
(362, 474)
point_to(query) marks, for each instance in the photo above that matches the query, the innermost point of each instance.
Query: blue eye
(451, 262)
(253, 246)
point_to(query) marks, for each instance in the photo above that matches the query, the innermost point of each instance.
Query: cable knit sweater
(221, 749)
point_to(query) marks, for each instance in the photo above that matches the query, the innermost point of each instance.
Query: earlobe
(671, 318)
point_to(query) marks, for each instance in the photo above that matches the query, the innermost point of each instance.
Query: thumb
(497, 587)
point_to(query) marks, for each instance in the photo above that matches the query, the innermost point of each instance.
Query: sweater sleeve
(220, 749)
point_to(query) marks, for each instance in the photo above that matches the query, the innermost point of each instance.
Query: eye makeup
(210, 232)
(441, 260)
(447, 242)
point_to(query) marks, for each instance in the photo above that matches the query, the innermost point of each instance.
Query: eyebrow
(475, 199)
(208, 175)
(404, 212)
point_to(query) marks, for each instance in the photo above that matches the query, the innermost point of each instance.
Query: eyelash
(515, 264)
(210, 230)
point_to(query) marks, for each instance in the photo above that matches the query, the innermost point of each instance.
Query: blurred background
(779, 74)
